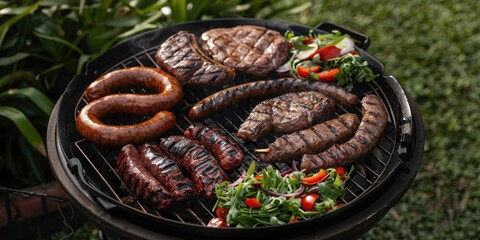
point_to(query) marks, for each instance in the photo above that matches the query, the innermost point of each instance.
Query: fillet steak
(287, 113)
(251, 49)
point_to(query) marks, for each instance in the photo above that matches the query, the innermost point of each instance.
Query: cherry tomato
(308, 201)
(340, 171)
(315, 178)
(217, 222)
(328, 75)
(252, 202)
(304, 71)
(221, 213)
(294, 220)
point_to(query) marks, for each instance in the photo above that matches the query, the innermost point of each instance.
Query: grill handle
(76, 168)
(406, 122)
(361, 40)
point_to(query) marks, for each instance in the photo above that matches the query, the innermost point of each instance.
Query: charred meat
(181, 56)
(370, 130)
(220, 145)
(251, 49)
(167, 172)
(139, 181)
(287, 113)
(312, 140)
(199, 163)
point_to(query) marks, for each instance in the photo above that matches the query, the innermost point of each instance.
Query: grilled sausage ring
(105, 102)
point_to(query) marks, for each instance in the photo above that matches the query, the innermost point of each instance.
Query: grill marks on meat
(167, 172)
(220, 145)
(258, 89)
(286, 113)
(140, 181)
(181, 56)
(199, 163)
(313, 140)
(251, 49)
(370, 130)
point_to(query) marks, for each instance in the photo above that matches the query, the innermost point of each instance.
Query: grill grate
(100, 169)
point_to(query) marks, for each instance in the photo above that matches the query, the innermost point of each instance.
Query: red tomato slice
(329, 52)
(328, 75)
(253, 203)
(308, 41)
(308, 201)
(221, 213)
(315, 178)
(217, 222)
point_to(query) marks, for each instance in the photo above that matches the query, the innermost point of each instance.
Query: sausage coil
(105, 102)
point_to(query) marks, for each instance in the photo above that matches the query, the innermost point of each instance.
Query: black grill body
(88, 173)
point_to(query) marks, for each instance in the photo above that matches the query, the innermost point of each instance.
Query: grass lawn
(433, 49)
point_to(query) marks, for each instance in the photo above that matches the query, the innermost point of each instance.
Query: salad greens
(327, 57)
(279, 198)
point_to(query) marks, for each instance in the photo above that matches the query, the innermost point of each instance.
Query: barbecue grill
(88, 172)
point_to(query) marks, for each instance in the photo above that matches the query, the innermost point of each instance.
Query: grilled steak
(312, 140)
(181, 56)
(287, 113)
(139, 181)
(362, 143)
(220, 145)
(167, 172)
(199, 163)
(250, 49)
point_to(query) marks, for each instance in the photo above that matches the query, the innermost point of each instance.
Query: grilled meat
(251, 49)
(139, 181)
(199, 163)
(312, 140)
(361, 144)
(167, 172)
(181, 56)
(220, 145)
(287, 113)
(224, 98)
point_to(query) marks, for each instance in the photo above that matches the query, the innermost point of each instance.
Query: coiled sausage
(105, 102)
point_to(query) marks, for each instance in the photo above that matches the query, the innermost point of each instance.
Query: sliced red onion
(239, 180)
(286, 172)
(294, 166)
(284, 69)
(296, 194)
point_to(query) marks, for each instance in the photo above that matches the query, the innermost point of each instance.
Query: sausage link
(105, 103)
(222, 147)
(220, 100)
(370, 130)
(199, 163)
(167, 172)
(312, 140)
(139, 181)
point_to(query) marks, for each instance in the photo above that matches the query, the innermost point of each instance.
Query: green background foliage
(430, 47)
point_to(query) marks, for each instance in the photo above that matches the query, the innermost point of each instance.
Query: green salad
(271, 197)
(326, 57)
